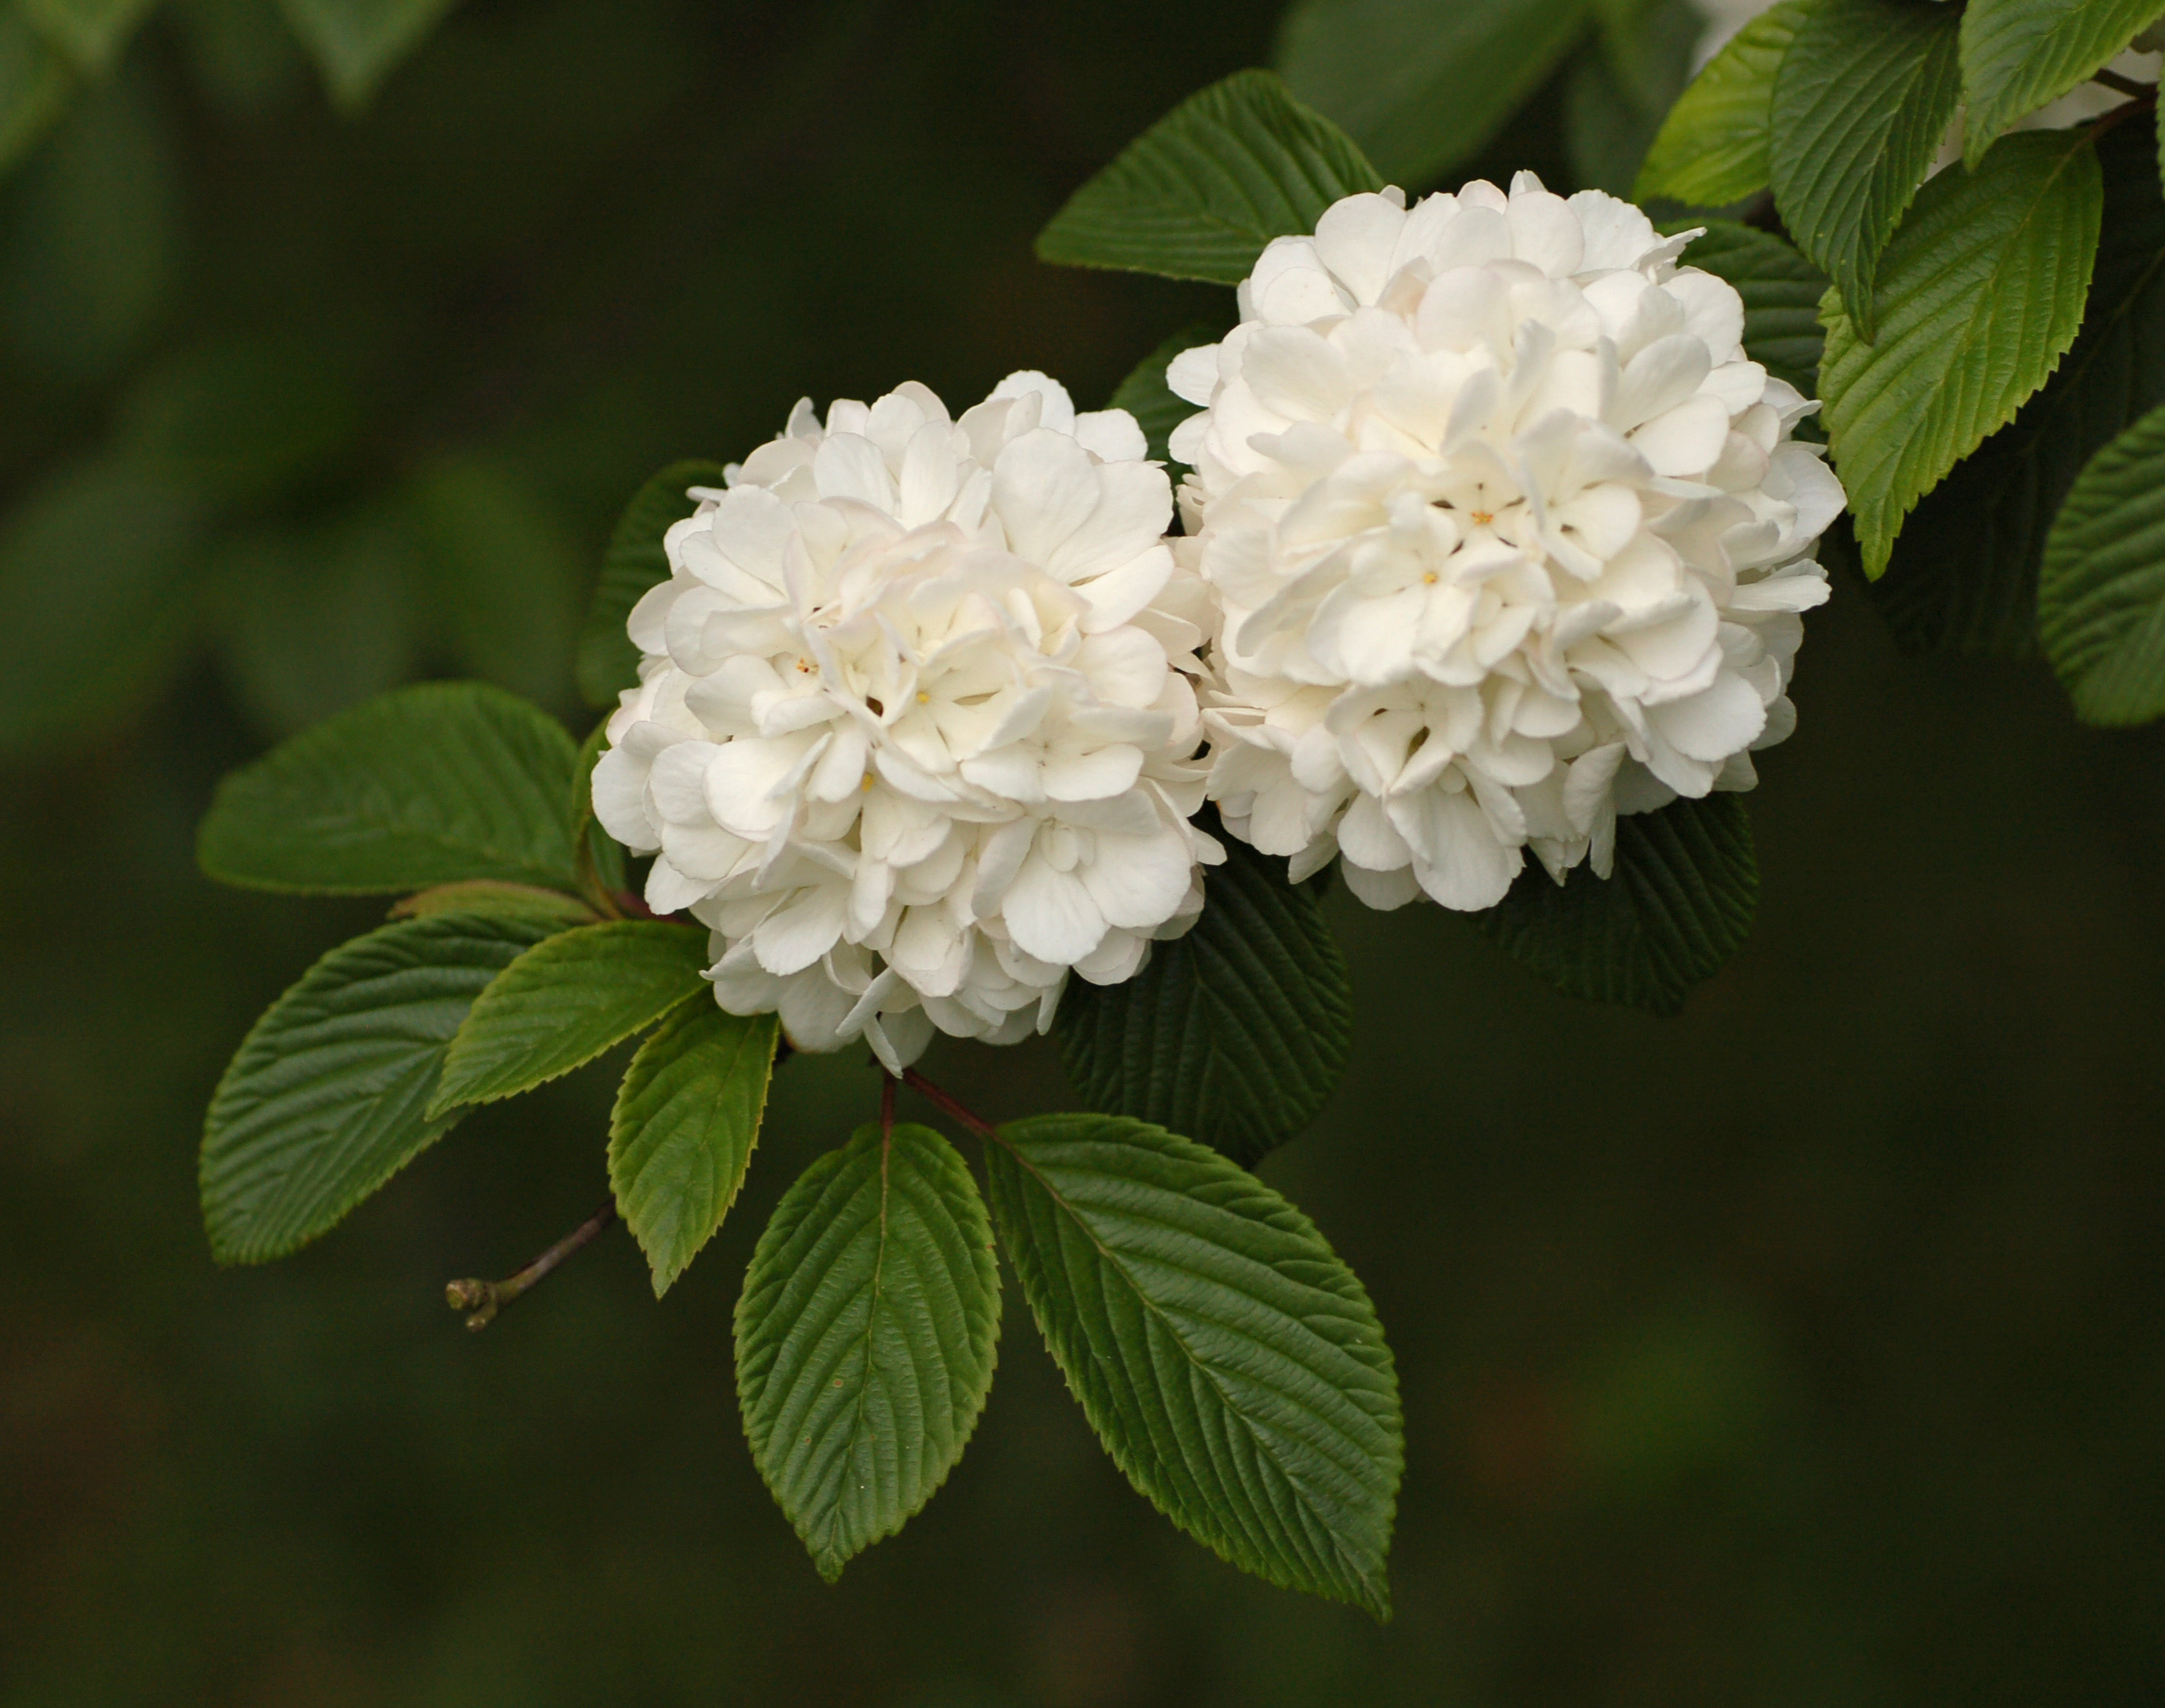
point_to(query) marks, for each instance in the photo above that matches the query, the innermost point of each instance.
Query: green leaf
(356, 44)
(1145, 395)
(565, 1001)
(34, 86)
(1228, 1359)
(686, 1121)
(89, 32)
(1711, 148)
(1863, 96)
(2019, 54)
(325, 1100)
(1678, 904)
(1782, 292)
(1235, 1034)
(427, 785)
(1621, 83)
(1963, 573)
(865, 1337)
(1980, 294)
(96, 598)
(608, 663)
(2101, 596)
(1422, 84)
(488, 895)
(1198, 194)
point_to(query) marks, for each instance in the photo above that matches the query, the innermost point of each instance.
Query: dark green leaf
(565, 1001)
(865, 1337)
(428, 785)
(1622, 82)
(1198, 194)
(1235, 1034)
(687, 1118)
(1862, 99)
(1980, 294)
(89, 32)
(95, 599)
(1711, 148)
(34, 86)
(1782, 292)
(2101, 597)
(1964, 574)
(324, 1102)
(1678, 904)
(357, 43)
(1423, 84)
(2019, 54)
(608, 663)
(1145, 395)
(1228, 1359)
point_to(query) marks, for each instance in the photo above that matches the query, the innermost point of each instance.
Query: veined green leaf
(1677, 905)
(2019, 54)
(1711, 148)
(325, 1100)
(1198, 194)
(564, 1001)
(2101, 596)
(1145, 395)
(1422, 84)
(1963, 573)
(865, 1337)
(1228, 1359)
(426, 785)
(34, 86)
(1981, 293)
(1861, 102)
(89, 32)
(1782, 292)
(1234, 1034)
(608, 663)
(687, 1118)
(356, 44)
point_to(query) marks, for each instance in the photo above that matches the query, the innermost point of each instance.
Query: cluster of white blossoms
(915, 731)
(1505, 533)
(1492, 532)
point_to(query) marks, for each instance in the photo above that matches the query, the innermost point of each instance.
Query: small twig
(2119, 84)
(483, 1298)
(931, 1093)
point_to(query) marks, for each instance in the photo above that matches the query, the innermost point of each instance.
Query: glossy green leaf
(1145, 395)
(1711, 148)
(565, 1001)
(1228, 1359)
(356, 44)
(96, 598)
(1198, 194)
(34, 86)
(687, 1118)
(608, 663)
(1861, 102)
(1782, 292)
(1963, 573)
(2019, 54)
(325, 1100)
(1980, 294)
(1234, 1034)
(427, 785)
(2101, 595)
(865, 1337)
(1678, 903)
(1422, 84)
(89, 32)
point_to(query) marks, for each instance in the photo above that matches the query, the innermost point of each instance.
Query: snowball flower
(911, 734)
(1507, 534)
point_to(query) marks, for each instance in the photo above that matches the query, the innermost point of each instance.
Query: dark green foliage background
(1803, 1348)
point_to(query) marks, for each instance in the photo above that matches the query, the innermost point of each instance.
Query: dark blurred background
(1802, 1350)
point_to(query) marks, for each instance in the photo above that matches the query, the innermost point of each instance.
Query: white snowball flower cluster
(912, 735)
(1506, 532)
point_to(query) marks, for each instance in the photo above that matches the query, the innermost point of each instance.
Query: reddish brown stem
(481, 1299)
(932, 1093)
